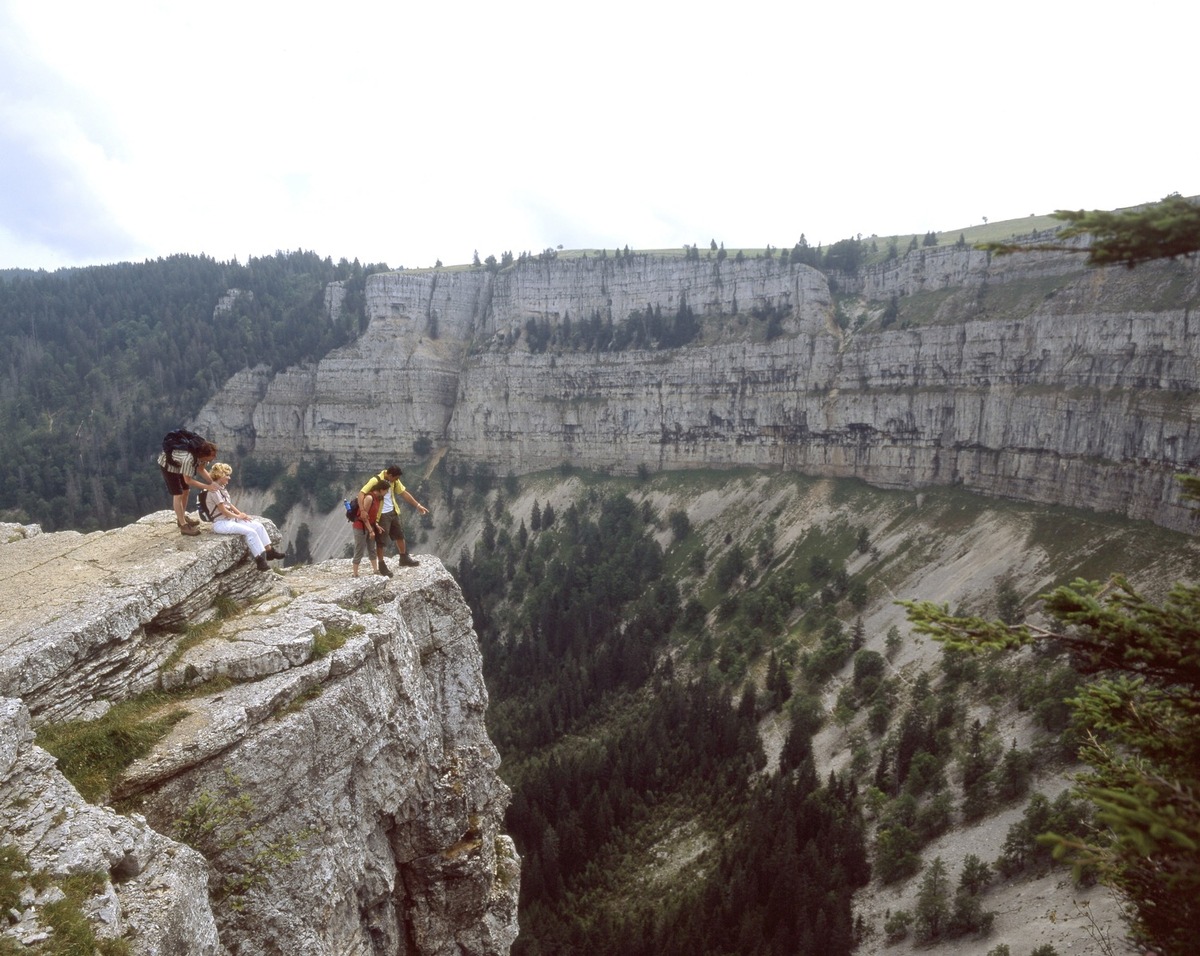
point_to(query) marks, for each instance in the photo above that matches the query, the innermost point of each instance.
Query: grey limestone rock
(1029, 377)
(156, 888)
(329, 735)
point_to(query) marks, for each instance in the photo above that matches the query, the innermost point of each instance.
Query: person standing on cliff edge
(390, 524)
(366, 527)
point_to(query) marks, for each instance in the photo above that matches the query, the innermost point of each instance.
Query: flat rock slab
(73, 601)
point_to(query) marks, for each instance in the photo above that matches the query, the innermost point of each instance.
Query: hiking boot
(273, 555)
(407, 562)
(194, 522)
(188, 530)
(261, 561)
(384, 569)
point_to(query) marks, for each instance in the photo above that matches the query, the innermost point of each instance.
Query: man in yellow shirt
(389, 516)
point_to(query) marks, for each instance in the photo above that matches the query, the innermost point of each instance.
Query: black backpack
(182, 439)
(206, 513)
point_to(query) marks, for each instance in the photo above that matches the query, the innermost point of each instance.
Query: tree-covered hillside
(718, 724)
(100, 362)
(590, 609)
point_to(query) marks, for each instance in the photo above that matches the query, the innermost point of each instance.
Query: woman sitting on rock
(229, 520)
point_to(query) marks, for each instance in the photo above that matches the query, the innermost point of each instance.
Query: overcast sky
(405, 133)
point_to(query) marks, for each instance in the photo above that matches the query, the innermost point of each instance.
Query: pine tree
(975, 876)
(976, 775)
(1162, 230)
(933, 901)
(1142, 720)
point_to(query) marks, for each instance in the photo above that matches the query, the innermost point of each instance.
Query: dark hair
(394, 470)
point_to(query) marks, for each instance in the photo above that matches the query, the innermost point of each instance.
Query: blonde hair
(220, 470)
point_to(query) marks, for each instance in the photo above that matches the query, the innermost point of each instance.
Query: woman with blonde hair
(229, 520)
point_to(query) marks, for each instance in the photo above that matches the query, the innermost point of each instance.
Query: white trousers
(257, 539)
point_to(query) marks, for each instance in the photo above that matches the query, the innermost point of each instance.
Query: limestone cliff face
(334, 724)
(1030, 377)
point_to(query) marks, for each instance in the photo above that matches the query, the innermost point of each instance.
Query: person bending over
(180, 467)
(366, 528)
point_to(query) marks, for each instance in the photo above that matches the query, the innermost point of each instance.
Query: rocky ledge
(319, 779)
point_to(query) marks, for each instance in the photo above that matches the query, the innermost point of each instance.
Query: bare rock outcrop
(154, 889)
(322, 746)
(1029, 377)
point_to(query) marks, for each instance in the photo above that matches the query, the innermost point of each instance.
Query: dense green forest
(632, 688)
(588, 608)
(102, 361)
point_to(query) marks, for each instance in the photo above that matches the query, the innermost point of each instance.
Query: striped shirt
(180, 462)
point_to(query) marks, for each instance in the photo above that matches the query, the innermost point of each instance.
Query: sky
(407, 133)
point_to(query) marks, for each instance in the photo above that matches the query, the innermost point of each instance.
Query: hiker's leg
(363, 545)
(381, 538)
(395, 531)
(178, 489)
(260, 532)
(406, 560)
(380, 565)
(253, 540)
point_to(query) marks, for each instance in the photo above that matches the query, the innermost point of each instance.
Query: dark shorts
(175, 483)
(391, 526)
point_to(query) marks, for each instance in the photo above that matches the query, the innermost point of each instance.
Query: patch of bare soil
(1030, 911)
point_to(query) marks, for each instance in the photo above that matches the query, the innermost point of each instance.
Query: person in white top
(229, 520)
(390, 524)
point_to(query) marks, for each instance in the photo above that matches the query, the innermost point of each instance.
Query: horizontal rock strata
(334, 724)
(1030, 377)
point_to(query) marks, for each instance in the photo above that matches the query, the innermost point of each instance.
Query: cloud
(407, 133)
(50, 211)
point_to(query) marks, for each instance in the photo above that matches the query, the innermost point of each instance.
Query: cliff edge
(1030, 377)
(312, 772)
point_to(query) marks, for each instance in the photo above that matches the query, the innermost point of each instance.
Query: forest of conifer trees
(579, 635)
(100, 362)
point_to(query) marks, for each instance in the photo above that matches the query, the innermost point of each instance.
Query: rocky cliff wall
(1028, 376)
(326, 750)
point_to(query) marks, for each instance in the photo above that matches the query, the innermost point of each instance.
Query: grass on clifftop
(93, 754)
